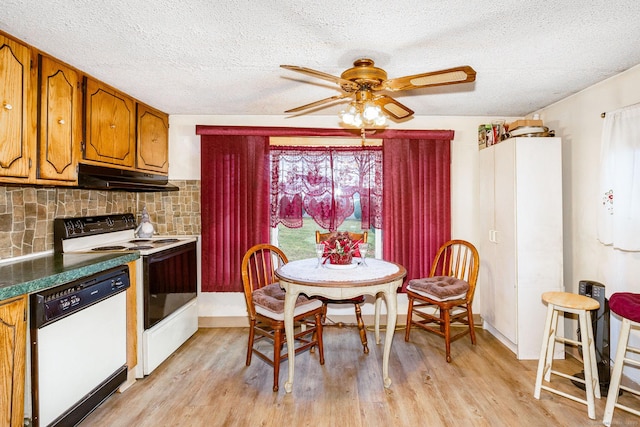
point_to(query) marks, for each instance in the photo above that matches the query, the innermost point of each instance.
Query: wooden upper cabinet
(17, 111)
(153, 140)
(109, 126)
(60, 121)
(13, 344)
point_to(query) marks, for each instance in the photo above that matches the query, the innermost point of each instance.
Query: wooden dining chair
(265, 305)
(446, 295)
(321, 237)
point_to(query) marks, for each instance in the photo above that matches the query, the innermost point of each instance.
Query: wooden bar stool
(627, 306)
(581, 306)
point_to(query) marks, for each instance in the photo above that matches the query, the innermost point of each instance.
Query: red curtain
(323, 182)
(416, 201)
(234, 205)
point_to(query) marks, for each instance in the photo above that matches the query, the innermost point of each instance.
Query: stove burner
(165, 240)
(109, 248)
(140, 247)
(140, 240)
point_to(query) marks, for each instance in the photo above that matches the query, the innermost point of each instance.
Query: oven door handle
(170, 253)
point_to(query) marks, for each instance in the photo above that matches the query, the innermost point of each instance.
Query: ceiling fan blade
(449, 76)
(346, 85)
(393, 107)
(318, 103)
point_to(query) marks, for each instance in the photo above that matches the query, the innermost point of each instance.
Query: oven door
(169, 281)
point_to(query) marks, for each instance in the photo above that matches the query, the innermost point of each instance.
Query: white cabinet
(521, 246)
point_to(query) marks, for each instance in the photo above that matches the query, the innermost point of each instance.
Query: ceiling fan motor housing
(365, 74)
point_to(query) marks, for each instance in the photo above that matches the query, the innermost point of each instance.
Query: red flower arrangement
(340, 248)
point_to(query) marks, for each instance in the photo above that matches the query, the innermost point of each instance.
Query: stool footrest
(569, 377)
(630, 390)
(633, 362)
(567, 395)
(626, 408)
(568, 340)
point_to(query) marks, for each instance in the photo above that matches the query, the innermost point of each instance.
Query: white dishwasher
(78, 346)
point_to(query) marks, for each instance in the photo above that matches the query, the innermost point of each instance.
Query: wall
(221, 309)
(577, 120)
(27, 213)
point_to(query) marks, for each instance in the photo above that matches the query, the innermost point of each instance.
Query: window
(298, 243)
(323, 189)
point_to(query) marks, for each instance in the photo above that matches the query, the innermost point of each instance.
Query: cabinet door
(17, 110)
(486, 247)
(59, 120)
(540, 245)
(506, 286)
(153, 140)
(540, 241)
(13, 343)
(110, 126)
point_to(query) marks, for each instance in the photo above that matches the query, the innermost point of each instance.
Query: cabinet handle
(61, 121)
(112, 126)
(8, 106)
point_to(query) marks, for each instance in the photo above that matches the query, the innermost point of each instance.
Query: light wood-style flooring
(206, 383)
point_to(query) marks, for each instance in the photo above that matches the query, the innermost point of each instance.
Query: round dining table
(374, 277)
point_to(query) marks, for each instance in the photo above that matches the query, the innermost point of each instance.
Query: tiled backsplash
(27, 213)
(175, 212)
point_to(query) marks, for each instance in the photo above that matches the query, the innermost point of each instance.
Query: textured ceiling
(222, 57)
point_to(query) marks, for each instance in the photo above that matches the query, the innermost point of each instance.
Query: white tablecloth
(306, 270)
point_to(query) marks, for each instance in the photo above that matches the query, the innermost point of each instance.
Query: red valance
(347, 133)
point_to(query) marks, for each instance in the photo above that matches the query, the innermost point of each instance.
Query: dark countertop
(29, 275)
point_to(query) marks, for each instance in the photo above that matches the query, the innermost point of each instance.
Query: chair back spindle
(456, 259)
(259, 267)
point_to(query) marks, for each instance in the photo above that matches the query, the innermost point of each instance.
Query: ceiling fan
(364, 83)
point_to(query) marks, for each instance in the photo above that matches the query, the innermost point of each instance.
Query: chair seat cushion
(439, 288)
(269, 301)
(626, 304)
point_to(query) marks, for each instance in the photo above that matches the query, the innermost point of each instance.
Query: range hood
(108, 178)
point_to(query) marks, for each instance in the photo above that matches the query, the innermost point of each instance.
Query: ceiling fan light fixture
(381, 120)
(348, 116)
(370, 111)
(357, 120)
(360, 114)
